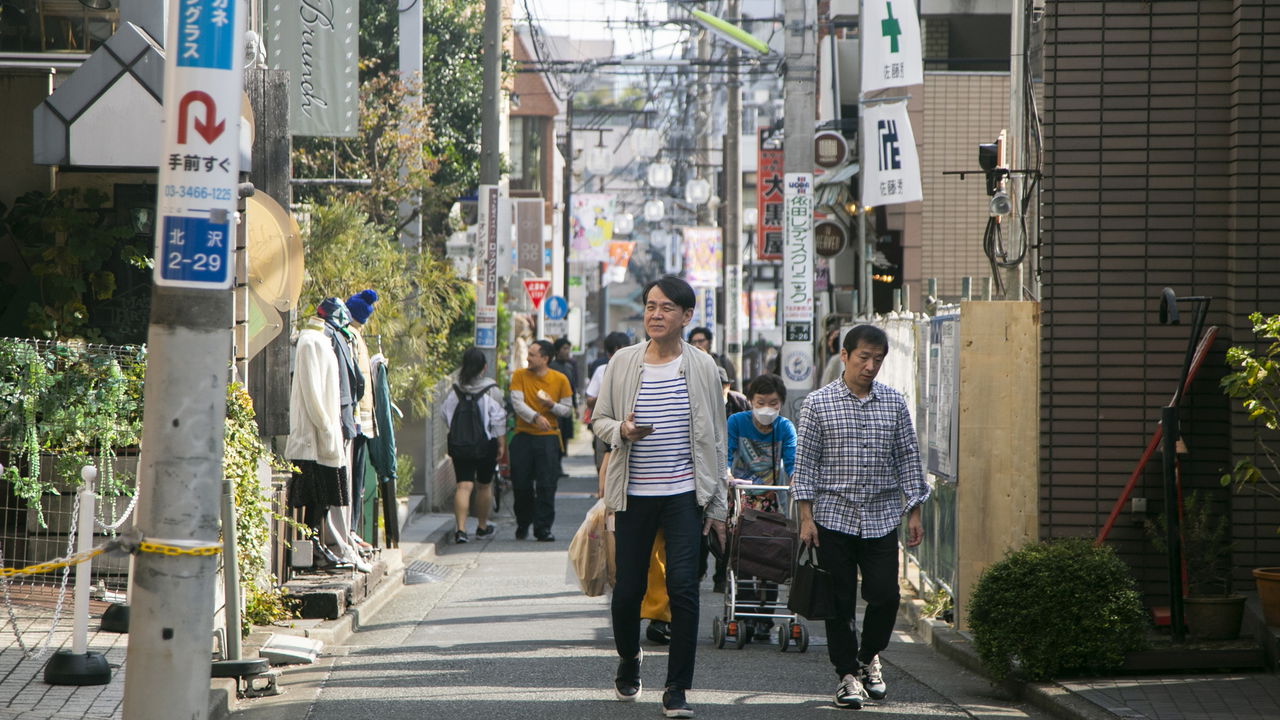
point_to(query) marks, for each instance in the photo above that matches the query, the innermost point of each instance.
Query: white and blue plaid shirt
(856, 459)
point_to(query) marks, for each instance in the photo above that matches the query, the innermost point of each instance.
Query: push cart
(761, 553)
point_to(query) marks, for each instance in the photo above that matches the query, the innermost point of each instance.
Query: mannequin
(315, 440)
(350, 389)
(360, 307)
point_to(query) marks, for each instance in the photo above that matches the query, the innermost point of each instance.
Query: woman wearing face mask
(761, 443)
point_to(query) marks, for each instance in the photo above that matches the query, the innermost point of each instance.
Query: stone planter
(1268, 582)
(1214, 617)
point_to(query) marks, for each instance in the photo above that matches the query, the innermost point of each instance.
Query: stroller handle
(754, 488)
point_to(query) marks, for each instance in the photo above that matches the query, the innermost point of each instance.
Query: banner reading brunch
(317, 42)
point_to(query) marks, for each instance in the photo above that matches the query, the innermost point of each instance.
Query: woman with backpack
(477, 423)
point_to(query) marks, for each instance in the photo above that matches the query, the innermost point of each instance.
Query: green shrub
(1056, 609)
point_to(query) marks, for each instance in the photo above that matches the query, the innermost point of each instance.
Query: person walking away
(613, 342)
(760, 441)
(539, 396)
(562, 363)
(477, 423)
(659, 411)
(857, 473)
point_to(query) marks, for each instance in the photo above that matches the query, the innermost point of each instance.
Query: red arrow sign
(207, 129)
(537, 289)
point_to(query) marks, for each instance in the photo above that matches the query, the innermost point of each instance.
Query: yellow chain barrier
(77, 558)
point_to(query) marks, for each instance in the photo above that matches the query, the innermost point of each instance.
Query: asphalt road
(505, 637)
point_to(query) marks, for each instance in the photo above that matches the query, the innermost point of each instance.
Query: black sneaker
(659, 632)
(460, 537)
(522, 532)
(674, 705)
(626, 683)
(486, 531)
(548, 537)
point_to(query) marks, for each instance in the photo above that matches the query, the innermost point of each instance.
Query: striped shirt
(661, 463)
(857, 460)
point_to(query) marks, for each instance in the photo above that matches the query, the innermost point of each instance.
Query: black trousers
(634, 529)
(535, 473)
(845, 556)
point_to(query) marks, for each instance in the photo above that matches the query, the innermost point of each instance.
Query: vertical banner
(530, 250)
(769, 200)
(764, 309)
(702, 256)
(704, 312)
(619, 256)
(317, 42)
(733, 313)
(890, 164)
(487, 282)
(591, 227)
(797, 285)
(200, 165)
(891, 45)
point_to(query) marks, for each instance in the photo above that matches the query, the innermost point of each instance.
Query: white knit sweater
(315, 425)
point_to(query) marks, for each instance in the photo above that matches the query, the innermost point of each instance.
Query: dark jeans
(634, 529)
(359, 453)
(535, 472)
(877, 558)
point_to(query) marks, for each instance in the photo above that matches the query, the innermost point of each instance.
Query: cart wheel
(802, 640)
(784, 636)
(717, 633)
(742, 634)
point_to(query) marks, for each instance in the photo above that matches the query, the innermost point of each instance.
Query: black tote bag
(812, 590)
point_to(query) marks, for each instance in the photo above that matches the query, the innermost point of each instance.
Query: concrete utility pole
(1013, 149)
(411, 67)
(490, 175)
(566, 191)
(799, 85)
(704, 124)
(733, 207)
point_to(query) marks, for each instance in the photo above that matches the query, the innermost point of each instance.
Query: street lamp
(623, 223)
(645, 143)
(654, 210)
(697, 191)
(659, 175)
(599, 160)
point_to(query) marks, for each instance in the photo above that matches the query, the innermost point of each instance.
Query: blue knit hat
(361, 305)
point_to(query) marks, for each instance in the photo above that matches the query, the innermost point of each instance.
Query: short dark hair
(561, 342)
(869, 334)
(702, 331)
(545, 348)
(676, 290)
(765, 384)
(615, 341)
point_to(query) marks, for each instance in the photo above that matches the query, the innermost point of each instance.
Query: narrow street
(504, 636)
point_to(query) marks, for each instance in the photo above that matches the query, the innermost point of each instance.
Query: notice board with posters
(942, 392)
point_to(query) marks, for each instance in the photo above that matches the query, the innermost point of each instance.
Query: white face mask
(764, 415)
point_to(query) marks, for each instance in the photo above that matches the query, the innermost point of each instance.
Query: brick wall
(1161, 134)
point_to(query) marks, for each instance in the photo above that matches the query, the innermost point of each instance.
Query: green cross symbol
(890, 28)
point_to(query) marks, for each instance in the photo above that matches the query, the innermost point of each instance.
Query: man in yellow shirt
(539, 396)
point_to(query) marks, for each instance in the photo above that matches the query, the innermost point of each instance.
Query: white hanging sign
(890, 162)
(890, 45)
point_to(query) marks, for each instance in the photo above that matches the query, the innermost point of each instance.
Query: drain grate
(425, 572)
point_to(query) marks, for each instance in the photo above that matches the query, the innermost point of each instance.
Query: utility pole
(704, 124)
(799, 85)
(411, 69)
(566, 218)
(1014, 150)
(733, 207)
(189, 342)
(489, 195)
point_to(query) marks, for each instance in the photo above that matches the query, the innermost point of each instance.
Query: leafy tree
(1255, 382)
(424, 312)
(392, 132)
(66, 245)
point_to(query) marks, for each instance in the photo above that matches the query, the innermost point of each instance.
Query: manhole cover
(424, 572)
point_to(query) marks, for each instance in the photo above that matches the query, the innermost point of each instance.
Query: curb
(222, 694)
(953, 645)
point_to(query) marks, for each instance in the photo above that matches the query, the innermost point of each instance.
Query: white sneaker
(850, 693)
(872, 679)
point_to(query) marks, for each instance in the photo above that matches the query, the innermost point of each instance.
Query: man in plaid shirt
(857, 472)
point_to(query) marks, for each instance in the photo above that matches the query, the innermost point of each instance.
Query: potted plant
(1255, 382)
(1213, 612)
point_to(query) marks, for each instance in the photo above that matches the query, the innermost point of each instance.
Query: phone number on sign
(197, 192)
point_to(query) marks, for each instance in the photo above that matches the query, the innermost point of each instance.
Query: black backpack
(467, 436)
